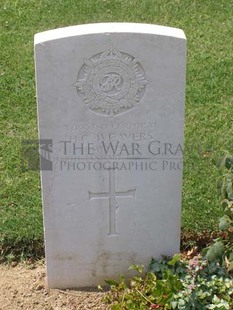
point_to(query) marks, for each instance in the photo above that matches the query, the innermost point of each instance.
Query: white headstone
(111, 116)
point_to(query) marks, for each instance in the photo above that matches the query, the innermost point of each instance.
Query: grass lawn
(209, 105)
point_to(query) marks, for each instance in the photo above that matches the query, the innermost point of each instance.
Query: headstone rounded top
(111, 28)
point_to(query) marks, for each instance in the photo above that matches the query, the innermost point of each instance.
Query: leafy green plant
(174, 284)
(205, 286)
(222, 249)
(151, 292)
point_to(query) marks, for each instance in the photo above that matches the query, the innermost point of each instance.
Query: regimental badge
(111, 83)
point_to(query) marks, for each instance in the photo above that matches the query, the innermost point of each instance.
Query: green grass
(209, 105)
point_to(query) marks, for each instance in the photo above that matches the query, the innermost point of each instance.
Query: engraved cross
(111, 195)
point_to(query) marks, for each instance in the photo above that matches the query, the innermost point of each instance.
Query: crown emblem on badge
(111, 82)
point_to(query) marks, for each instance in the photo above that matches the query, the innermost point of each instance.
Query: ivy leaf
(175, 259)
(229, 189)
(225, 222)
(174, 304)
(225, 161)
(215, 251)
(221, 186)
(229, 162)
(155, 266)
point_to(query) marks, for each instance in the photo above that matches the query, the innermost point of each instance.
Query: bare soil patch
(24, 287)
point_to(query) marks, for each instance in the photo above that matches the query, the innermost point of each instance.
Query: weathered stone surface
(111, 117)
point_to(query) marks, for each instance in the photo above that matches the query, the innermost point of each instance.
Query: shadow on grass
(21, 249)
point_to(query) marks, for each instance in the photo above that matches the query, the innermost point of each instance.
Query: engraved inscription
(111, 195)
(111, 83)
